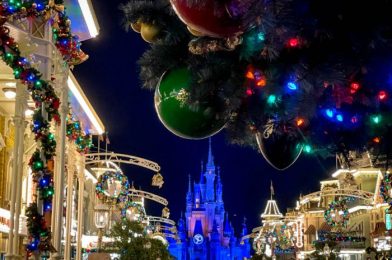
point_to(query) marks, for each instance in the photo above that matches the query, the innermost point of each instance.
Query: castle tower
(202, 183)
(189, 195)
(210, 176)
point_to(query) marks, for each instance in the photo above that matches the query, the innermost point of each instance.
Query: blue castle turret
(206, 233)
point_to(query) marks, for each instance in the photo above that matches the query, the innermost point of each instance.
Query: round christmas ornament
(194, 32)
(212, 18)
(280, 151)
(182, 119)
(137, 26)
(149, 32)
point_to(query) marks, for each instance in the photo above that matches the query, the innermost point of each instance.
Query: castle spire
(272, 190)
(210, 162)
(189, 193)
(219, 187)
(202, 181)
(244, 228)
(189, 183)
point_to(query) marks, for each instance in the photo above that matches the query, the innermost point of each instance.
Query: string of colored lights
(46, 101)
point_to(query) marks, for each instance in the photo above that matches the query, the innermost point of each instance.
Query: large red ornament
(211, 18)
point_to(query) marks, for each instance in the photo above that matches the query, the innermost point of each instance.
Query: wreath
(133, 206)
(101, 188)
(334, 208)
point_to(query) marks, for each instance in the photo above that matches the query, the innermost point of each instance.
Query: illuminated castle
(206, 232)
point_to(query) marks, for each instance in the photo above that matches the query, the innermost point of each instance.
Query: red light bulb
(300, 122)
(249, 92)
(261, 82)
(376, 140)
(354, 87)
(293, 42)
(250, 75)
(382, 95)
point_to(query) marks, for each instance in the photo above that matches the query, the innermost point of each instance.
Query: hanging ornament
(182, 119)
(149, 32)
(157, 180)
(279, 150)
(212, 18)
(194, 32)
(136, 26)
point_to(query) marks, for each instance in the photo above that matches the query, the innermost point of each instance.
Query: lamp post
(101, 220)
(327, 251)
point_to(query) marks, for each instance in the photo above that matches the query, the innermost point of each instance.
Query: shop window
(388, 223)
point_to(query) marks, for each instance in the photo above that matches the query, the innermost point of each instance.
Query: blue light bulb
(292, 85)
(339, 118)
(329, 113)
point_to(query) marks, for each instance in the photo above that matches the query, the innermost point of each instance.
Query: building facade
(205, 232)
(360, 230)
(35, 37)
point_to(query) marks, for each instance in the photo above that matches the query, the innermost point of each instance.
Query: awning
(325, 227)
(311, 230)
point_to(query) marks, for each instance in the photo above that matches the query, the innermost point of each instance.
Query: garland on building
(332, 213)
(385, 188)
(284, 76)
(46, 101)
(76, 134)
(105, 181)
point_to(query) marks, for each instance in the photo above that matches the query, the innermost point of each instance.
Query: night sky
(110, 80)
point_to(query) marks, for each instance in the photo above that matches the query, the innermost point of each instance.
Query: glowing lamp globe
(101, 216)
(179, 117)
(210, 18)
(9, 93)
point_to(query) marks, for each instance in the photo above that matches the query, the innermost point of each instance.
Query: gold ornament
(194, 32)
(157, 180)
(149, 32)
(137, 26)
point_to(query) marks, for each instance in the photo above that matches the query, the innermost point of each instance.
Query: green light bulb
(308, 148)
(271, 99)
(376, 119)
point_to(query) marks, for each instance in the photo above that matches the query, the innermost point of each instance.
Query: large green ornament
(183, 120)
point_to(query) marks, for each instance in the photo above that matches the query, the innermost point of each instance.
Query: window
(388, 223)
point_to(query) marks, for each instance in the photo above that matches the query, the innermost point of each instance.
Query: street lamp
(327, 251)
(101, 220)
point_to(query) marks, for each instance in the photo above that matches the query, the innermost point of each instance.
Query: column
(18, 122)
(81, 166)
(68, 219)
(20, 170)
(57, 224)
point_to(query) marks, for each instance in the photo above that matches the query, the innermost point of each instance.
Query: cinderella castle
(206, 231)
